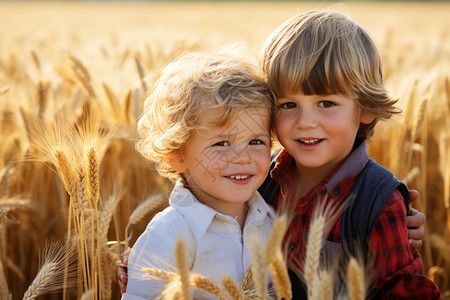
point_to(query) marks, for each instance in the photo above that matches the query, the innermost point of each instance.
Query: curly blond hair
(187, 86)
(324, 52)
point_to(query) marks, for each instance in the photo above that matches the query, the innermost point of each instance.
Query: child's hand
(415, 223)
(122, 274)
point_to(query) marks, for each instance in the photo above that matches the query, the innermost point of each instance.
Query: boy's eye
(287, 105)
(222, 143)
(256, 142)
(326, 104)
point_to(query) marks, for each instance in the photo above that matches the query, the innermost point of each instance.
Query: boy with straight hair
(325, 72)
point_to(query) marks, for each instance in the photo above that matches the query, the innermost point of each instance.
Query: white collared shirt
(215, 243)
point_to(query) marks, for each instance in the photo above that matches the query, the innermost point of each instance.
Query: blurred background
(65, 64)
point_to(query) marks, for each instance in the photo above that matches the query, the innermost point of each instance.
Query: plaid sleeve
(397, 266)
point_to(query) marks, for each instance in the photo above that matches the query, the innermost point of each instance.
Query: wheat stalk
(140, 69)
(4, 291)
(113, 102)
(182, 267)
(88, 295)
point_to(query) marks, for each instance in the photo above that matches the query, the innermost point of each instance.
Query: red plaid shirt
(397, 267)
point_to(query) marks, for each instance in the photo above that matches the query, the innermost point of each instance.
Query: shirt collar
(351, 166)
(200, 216)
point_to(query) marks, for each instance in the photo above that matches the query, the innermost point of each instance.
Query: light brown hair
(187, 87)
(324, 52)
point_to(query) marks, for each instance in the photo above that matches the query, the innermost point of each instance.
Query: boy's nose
(306, 119)
(240, 156)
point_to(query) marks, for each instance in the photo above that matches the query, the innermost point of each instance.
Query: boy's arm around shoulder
(399, 272)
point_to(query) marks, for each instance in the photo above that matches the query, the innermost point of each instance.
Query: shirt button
(337, 190)
(291, 245)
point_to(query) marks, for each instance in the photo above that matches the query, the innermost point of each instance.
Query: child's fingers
(417, 244)
(416, 219)
(413, 195)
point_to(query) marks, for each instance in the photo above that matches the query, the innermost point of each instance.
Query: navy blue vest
(368, 197)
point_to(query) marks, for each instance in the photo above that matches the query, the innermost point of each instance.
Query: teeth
(240, 177)
(309, 142)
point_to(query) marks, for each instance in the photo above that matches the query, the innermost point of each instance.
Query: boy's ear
(366, 117)
(176, 161)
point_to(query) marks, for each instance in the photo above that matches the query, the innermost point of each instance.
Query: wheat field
(73, 191)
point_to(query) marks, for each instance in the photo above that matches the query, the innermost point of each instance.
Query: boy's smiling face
(225, 164)
(318, 130)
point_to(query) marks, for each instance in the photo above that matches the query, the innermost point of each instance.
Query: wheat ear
(420, 120)
(92, 174)
(280, 277)
(83, 75)
(322, 287)
(313, 248)
(42, 97)
(112, 99)
(355, 279)
(66, 172)
(247, 283)
(50, 276)
(182, 267)
(142, 210)
(275, 238)
(153, 273)
(202, 283)
(232, 288)
(258, 268)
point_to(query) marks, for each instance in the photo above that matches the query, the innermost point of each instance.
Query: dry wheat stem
(182, 268)
(141, 73)
(4, 291)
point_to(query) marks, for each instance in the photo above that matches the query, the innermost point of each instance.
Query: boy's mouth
(239, 177)
(310, 141)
